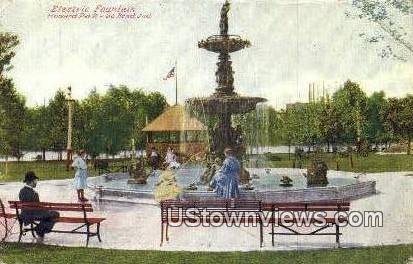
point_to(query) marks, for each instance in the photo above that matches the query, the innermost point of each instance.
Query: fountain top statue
(223, 25)
(224, 100)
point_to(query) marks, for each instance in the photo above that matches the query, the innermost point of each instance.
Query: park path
(137, 226)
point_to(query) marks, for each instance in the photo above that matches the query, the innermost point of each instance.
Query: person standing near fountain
(80, 181)
(226, 180)
(154, 159)
(171, 160)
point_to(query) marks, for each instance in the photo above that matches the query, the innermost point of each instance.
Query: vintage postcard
(183, 131)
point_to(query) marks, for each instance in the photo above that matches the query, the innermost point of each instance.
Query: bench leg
(32, 230)
(161, 234)
(98, 232)
(88, 234)
(21, 232)
(272, 234)
(338, 236)
(261, 235)
(5, 230)
(166, 232)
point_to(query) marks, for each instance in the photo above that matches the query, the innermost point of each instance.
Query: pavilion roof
(175, 118)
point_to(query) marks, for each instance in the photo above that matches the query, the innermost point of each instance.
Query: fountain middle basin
(266, 183)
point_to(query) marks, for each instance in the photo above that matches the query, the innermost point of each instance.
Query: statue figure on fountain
(223, 24)
(212, 167)
(137, 173)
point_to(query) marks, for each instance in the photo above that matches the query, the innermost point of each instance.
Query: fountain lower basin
(342, 186)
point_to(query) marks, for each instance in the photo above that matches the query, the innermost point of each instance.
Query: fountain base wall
(345, 192)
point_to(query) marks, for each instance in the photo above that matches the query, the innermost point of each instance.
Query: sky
(294, 43)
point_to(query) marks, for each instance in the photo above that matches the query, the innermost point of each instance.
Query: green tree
(329, 124)
(57, 111)
(290, 127)
(351, 105)
(375, 130)
(38, 127)
(398, 116)
(119, 121)
(107, 123)
(8, 42)
(12, 124)
(88, 125)
(12, 104)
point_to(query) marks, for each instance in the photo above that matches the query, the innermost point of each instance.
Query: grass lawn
(49, 170)
(45, 170)
(31, 253)
(372, 163)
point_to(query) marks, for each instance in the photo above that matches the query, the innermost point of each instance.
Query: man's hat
(30, 176)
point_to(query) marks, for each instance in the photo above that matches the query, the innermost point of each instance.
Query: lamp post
(69, 150)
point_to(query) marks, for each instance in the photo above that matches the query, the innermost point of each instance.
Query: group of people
(170, 161)
(46, 219)
(225, 183)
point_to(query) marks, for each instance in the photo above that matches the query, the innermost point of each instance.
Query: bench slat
(78, 220)
(51, 206)
(7, 215)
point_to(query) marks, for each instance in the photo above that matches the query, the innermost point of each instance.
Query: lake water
(52, 155)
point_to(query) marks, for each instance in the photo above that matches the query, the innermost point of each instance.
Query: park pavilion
(177, 129)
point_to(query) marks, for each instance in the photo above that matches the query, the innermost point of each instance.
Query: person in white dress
(80, 181)
(171, 159)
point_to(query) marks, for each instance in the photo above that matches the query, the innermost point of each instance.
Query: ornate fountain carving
(317, 173)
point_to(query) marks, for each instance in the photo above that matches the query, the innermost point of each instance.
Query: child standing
(80, 181)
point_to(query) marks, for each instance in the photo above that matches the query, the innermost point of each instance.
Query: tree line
(102, 123)
(348, 118)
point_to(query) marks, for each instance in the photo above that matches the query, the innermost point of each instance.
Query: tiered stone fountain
(225, 102)
(221, 105)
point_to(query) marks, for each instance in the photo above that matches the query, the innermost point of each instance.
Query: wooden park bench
(82, 220)
(172, 211)
(4, 221)
(271, 213)
(309, 208)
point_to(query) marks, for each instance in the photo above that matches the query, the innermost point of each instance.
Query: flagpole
(176, 82)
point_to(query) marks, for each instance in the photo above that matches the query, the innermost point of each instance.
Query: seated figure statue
(225, 181)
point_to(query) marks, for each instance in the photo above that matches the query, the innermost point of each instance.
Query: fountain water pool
(266, 185)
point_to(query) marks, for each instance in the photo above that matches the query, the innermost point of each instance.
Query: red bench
(331, 208)
(4, 226)
(172, 210)
(82, 220)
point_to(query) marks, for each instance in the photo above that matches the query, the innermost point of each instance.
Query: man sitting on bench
(30, 216)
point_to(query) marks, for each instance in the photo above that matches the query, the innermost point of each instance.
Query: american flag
(170, 74)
